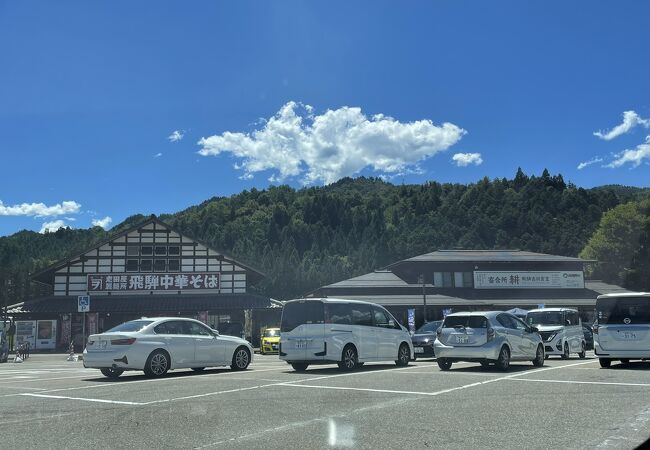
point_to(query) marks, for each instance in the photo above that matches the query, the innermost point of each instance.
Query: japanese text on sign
(153, 282)
(529, 279)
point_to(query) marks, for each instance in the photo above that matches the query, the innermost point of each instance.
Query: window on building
(131, 265)
(146, 265)
(174, 265)
(161, 250)
(458, 279)
(437, 279)
(443, 279)
(174, 250)
(159, 265)
(468, 279)
(146, 250)
(132, 250)
(446, 279)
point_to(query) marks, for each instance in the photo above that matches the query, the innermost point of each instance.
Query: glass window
(159, 265)
(146, 250)
(340, 313)
(161, 250)
(174, 265)
(429, 327)
(458, 279)
(131, 265)
(146, 265)
(132, 250)
(271, 332)
(465, 321)
(468, 279)
(381, 318)
(170, 327)
(616, 310)
(505, 321)
(197, 329)
(134, 325)
(437, 279)
(446, 279)
(361, 315)
(518, 323)
(301, 312)
(174, 250)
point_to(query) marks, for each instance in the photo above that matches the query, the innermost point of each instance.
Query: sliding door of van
(350, 323)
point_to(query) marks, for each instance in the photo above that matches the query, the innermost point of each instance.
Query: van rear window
(465, 321)
(301, 312)
(616, 310)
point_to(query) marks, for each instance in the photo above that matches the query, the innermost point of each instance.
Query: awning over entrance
(142, 304)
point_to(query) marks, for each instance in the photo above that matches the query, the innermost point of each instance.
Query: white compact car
(346, 332)
(561, 331)
(622, 328)
(159, 344)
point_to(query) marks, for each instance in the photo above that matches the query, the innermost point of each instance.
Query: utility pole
(424, 296)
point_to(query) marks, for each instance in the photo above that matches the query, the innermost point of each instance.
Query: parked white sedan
(159, 344)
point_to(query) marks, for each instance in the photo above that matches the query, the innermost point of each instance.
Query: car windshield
(134, 325)
(465, 321)
(544, 318)
(429, 327)
(271, 333)
(624, 310)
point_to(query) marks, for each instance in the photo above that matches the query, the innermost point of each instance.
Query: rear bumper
(426, 352)
(620, 354)
(489, 351)
(118, 359)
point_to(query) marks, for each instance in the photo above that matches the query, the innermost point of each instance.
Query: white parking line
(96, 400)
(584, 382)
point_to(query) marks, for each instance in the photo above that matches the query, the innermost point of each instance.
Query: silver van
(561, 331)
(622, 327)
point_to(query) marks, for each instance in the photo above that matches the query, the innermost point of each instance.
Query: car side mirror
(391, 323)
(534, 329)
(215, 333)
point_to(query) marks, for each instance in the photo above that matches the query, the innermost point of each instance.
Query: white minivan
(622, 327)
(560, 329)
(346, 332)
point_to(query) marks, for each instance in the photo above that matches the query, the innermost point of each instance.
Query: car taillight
(127, 341)
(91, 342)
(490, 334)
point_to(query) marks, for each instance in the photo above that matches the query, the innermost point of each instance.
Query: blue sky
(305, 92)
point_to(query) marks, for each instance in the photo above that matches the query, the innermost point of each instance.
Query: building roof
(378, 278)
(486, 256)
(601, 287)
(442, 300)
(142, 304)
(46, 275)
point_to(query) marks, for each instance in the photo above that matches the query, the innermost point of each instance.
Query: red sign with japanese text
(152, 282)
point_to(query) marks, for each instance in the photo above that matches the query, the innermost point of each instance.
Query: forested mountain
(302, 239)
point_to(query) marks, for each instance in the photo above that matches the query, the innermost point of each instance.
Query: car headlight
(551, 337)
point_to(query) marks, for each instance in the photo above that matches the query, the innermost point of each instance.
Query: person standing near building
(11, 332)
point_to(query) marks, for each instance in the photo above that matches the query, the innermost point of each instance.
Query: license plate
(418, 349)
(274, 346)
(462, 339)
(102, 344)
(628, 336)
(301, 344)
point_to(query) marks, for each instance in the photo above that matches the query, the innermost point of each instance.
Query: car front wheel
(349, 359)
(240, 359)
(539, 357)
(605, 363)
(403, 355)
(565, 354)
(299, 367)
(504, 359)
(583, 351)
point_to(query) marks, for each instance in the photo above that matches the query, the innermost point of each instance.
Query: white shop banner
(529, 280)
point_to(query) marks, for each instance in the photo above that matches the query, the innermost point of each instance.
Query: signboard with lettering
(155, 282)
(529, 280)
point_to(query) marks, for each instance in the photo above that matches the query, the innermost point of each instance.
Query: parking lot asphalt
(47, 402)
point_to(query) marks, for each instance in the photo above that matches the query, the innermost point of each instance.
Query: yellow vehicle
(270, 340)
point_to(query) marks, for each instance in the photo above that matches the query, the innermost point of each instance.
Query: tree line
(305, 238)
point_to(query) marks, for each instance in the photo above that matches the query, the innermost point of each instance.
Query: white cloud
(327, 147)
(635, 157)
(52, 226)
(39, 209)
(465, 159)
(593, 160)
(104, 223)
(176, 136)
(630, 120)
(157, 155)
